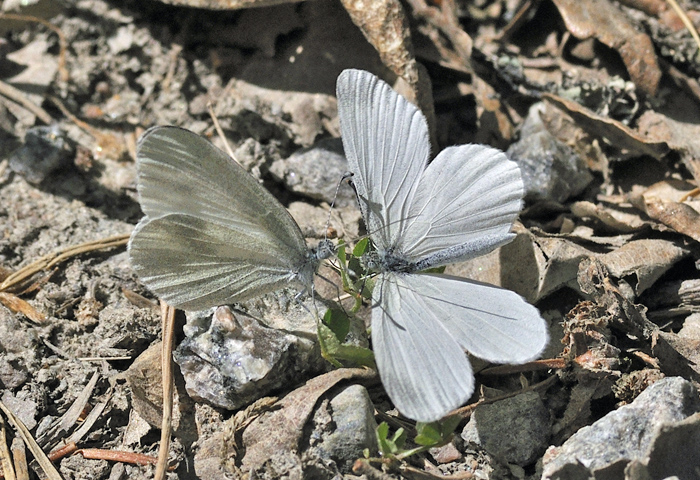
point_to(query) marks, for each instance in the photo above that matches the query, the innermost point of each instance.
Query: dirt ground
(596, 100)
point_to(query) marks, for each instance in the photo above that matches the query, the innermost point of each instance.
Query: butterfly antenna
(335, 198)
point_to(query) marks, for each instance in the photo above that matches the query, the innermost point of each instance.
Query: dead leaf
(594, 280)
(679, 216)
(646, 259)
(17, 305)
(677, 355)
(681, 137)
(283, 429)
(385, 26)
(144, 379)
(616, 133)
(608, 24)
(568, 131)
(618, 219)
(578, 410)
(536, 264)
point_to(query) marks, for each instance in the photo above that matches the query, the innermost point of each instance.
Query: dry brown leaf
(282, 429)
(617, 219)
(536, 264)
(616, 133)
(679, 216)
(495, 127)
(602, 20)
(595, 280)
(669, 203)
(17, 305)
(450, 46)
(671, 190)
(681, 137)
(568, 131)
(651, 7)
(385, 26)
(646, 259)
(678, 355)
(578, 410)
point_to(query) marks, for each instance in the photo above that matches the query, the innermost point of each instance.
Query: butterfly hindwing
(465, 204)
(424, 371)
(491, 323)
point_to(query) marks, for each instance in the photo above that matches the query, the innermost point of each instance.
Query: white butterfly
(418, 216)
(212, 235)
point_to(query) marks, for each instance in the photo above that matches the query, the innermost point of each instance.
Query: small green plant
(428, 435)
(332, 333)
(356, 281)
(334, 327)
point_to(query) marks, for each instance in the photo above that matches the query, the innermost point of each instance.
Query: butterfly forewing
(386, 143)
(181, 172)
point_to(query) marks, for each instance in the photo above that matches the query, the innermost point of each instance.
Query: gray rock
(12, 373)
(627, 434)
(676, 450)
(315, 172)
(551, 169)
(344, 428)
(235, 359)
(44, 151)
(514, 430)
(25, 408)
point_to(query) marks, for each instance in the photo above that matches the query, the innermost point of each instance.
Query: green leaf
(399, 438)
(438, 433)
(361, 248)
(428, 434)
(390, 446)
(334, 351)
(337, 320)
(328, 343)
(357, 355)
(386, 446)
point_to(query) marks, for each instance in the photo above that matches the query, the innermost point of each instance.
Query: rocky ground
(596, 100)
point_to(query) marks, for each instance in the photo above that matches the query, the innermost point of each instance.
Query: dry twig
(39, 455)
(168, 316)
(61, 255)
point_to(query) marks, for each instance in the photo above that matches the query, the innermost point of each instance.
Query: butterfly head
(325, 249)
